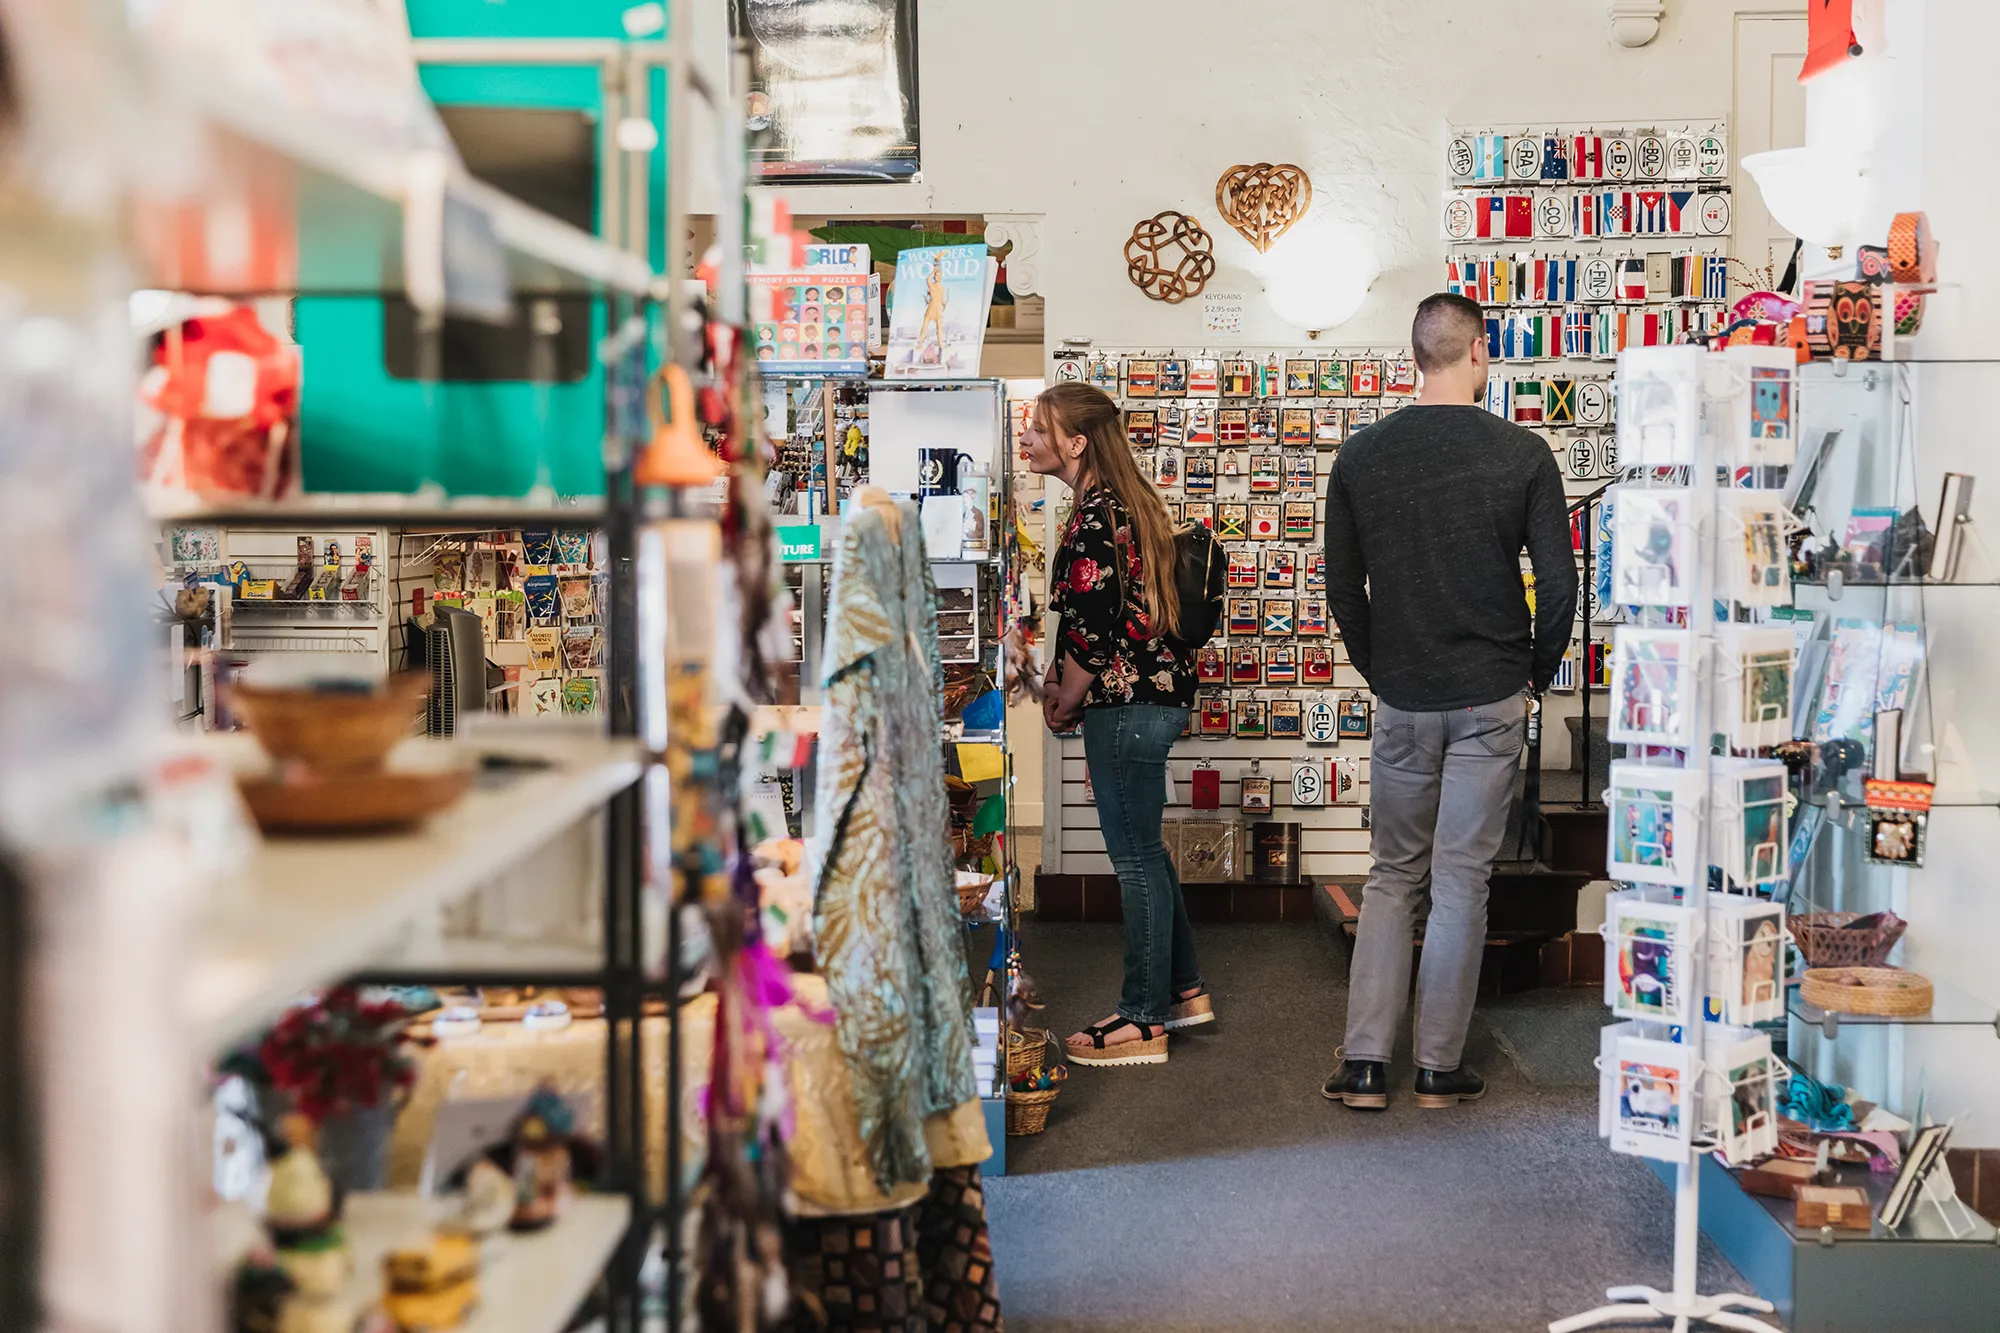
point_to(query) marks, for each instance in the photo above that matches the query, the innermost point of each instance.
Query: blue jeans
(1126, 749)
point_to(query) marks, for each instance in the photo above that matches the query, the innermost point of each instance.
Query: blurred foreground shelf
(531, 1282)
(308, 911)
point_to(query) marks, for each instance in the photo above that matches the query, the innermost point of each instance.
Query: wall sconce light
(1317, 279)
(1817, 194)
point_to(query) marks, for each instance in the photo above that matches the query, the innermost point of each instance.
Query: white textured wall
(1100, 115)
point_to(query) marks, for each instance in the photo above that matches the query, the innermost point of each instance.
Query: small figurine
(541, 1141)
(431, 1287)
(301, 1212)
(262, 1288)
(300, 1201)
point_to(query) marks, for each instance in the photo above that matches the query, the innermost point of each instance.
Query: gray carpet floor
(1220, 1192)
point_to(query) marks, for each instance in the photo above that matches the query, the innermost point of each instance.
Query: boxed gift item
(1206, 851)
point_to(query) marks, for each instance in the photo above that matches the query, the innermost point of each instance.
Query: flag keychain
(1346, 776)
(1355, 719)
(1308, 782)
(1322, 727)
(1205, 786)
(1256, 787)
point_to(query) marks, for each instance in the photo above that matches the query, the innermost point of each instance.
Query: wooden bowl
(318, 802)
(332, 732)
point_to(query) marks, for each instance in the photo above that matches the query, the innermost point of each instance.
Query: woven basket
(1028, 1112)
(1825, 942)
(972, 897)
(1886, 992)
(1026, 1049)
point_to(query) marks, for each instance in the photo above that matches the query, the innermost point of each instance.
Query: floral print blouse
(1100, 629)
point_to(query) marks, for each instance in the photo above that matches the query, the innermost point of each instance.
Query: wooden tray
(350, 802)
(1886, 992)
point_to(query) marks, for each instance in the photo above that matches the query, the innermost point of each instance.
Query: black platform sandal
(1191, 1011)
(1151, 1049)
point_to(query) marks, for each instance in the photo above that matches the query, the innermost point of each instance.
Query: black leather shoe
(1438, 1091)
(1361, 1084)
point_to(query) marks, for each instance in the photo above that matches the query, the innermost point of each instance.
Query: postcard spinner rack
(1692, 1087)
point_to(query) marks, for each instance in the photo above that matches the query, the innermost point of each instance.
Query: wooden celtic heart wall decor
(1169, 257)
(1263, 201)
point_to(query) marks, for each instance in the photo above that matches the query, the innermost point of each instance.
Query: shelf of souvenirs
(415, 513)
(529, 1282)
(1950, 1007)
(306, 911)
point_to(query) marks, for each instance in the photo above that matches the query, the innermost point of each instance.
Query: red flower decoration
(339, 1053)
(1083, 574)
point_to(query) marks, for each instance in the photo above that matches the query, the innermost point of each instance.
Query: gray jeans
(1440, 785)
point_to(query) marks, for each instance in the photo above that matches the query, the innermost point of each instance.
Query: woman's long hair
(1068, 409)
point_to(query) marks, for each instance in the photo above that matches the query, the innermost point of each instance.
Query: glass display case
(1897, 597)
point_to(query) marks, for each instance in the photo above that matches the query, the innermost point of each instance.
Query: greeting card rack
(1675, 551)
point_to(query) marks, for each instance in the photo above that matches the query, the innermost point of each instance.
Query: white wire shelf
(299, 643)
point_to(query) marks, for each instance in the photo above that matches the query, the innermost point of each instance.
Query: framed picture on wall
(833, 89)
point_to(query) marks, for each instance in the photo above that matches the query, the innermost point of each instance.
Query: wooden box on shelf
(1842, 1207)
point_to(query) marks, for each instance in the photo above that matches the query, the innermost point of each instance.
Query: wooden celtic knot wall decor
(1169, 257)
(1263, 201)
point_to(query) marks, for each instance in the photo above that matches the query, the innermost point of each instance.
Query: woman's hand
(1062, 706)
(1055, 714)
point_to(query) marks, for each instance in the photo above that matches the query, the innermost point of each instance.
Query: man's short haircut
(1445, 326)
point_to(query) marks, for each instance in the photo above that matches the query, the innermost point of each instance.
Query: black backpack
(1201, 579)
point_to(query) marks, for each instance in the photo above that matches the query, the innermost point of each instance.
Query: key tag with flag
(1322, 726)
(1308, 782)
(1205, 786)
(1256, 790)
(1346, 778)
(1356, 720)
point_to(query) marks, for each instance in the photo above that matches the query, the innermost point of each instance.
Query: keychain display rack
(1582, 240)
(1680, 959)
(1242, 439)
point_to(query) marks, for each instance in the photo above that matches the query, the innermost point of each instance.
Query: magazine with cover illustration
(937, 311)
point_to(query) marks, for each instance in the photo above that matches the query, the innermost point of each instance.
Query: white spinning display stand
(1684, 1305)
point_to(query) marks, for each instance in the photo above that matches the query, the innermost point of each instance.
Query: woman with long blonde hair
(1117, 667)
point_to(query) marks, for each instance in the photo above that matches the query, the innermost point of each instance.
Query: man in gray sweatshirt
(1427, 514)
